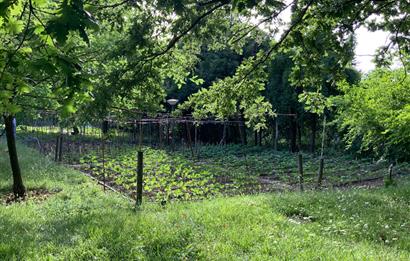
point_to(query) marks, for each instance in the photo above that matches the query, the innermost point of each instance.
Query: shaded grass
(81, 222)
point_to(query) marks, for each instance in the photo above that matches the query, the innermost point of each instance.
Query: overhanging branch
(281, 40)
(178, 37)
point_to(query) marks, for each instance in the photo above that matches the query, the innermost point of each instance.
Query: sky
(367, 43)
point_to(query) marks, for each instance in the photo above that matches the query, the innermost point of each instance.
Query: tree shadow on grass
(4, 189)
(86, 234)
(379, 218)
(57, 235)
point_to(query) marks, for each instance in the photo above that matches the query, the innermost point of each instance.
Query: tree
(374, 115)
(226, 99)
(319, 39)
(39, 61)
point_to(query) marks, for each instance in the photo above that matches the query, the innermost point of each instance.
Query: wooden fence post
(139, 178)
(57, 148)
(60, 148)
(300, 166)
(391, 173)
(275, 145)
(188, 129)
(103, 160)
(196, 136)
(159, 134)
(320, 175)
(167, 133)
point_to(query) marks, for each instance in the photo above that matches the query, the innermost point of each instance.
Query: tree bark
(18, 187)
(76, 130)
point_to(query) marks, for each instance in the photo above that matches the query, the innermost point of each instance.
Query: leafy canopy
(376, 113)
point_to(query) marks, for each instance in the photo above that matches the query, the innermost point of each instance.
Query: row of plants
(224, 170)
(166, 176)
(182, 173)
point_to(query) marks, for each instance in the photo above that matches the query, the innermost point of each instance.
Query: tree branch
(274, 15)
(281, 40)
(176, 38)
(114, 5)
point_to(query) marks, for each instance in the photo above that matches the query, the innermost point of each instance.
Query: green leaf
(15, 26)
(24, 88)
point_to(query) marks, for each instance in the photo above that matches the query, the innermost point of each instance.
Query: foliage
(229, 97)
(139, 48)
(39, 62)
(375, 114)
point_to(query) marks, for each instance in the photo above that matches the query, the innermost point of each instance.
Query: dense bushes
(375, 114)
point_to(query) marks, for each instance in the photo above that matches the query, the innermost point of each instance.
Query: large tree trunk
(18, 188)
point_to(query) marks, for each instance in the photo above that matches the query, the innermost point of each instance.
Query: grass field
(78, 221)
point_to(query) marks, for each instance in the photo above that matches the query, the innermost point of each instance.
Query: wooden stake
(320, 175)
(159, 135)
(60, 151)
(57, 148)
(275, 145)
(140, 136)
(188, 129)
(103, 161)
(300, 166)
(139, 178)
(321, 164)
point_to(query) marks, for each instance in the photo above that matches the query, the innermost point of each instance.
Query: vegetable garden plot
(177, 176)
(165, 177)
(174, 174)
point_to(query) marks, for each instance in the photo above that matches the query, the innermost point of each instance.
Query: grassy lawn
(78, 221)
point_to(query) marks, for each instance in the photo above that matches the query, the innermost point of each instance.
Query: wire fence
(178, 165)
